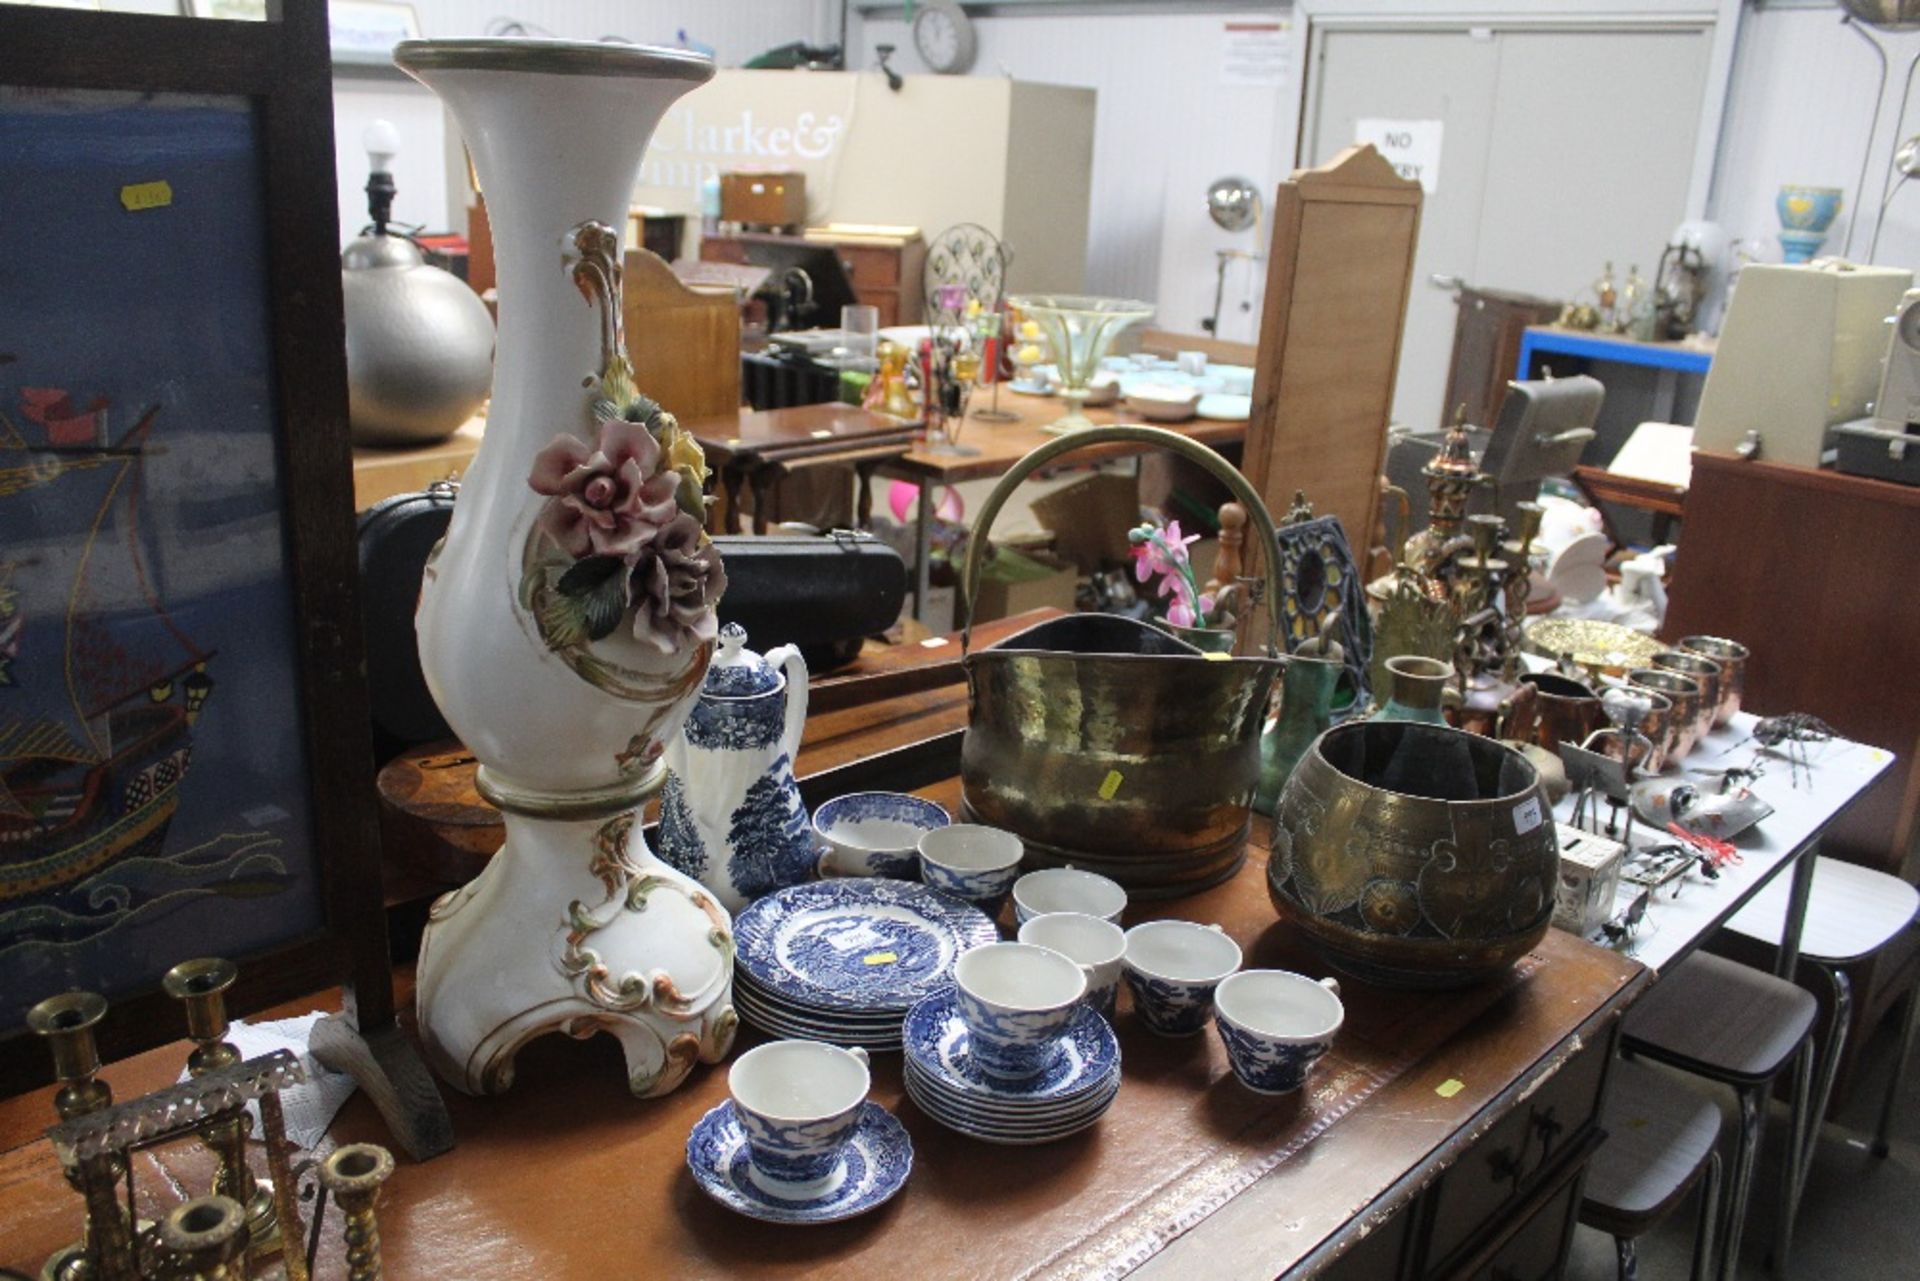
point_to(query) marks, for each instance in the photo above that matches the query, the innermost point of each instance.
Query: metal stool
(1852, 912)
(1661, 1140)
(1733, 1024)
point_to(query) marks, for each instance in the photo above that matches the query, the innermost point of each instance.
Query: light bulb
(382, 142)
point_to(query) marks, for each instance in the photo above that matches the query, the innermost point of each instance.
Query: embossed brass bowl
(1602, 648)
(1414, 855)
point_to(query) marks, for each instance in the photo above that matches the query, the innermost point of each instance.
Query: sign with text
(1412, 147)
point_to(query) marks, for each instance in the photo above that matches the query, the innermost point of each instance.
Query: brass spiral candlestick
(354, 1174)
(207, 1239)
(201, 985)
(67, 1022)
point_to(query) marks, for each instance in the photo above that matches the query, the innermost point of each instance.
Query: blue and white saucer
(936, 1042)
(861, 945)
(969, 1120)
(878, 1159)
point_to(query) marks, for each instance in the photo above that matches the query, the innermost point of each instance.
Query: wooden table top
(569, 1176)
(761, 436)
(1001, 445)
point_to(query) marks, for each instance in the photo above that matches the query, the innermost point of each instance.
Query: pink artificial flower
(677, 578)
(609, 501)
(1179, 615)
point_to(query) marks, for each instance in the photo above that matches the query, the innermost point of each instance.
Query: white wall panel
(1798, 110)
(1165, 128)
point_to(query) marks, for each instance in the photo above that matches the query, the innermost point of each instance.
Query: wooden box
(764, 199)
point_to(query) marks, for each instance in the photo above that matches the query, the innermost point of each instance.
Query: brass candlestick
(67, 1022)
(201, 985)
(207, 1238)
(353, 1174)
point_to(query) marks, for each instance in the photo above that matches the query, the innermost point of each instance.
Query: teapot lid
(738, 672)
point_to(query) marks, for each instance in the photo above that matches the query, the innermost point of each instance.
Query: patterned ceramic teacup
(798, 1102)
(1067, 889)
(874, 833)
(1016, 1000)
(970, 861)
(1096, 946)
(1276, 1025)
(1172, 969)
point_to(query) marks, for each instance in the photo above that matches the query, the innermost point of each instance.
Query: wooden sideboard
(885, 275)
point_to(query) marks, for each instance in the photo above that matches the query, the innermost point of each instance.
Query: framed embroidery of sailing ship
(185, 765)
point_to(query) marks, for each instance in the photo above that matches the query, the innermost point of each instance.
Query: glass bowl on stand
(1079, 329)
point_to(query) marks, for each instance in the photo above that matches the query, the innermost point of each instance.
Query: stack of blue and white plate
(844, 960)
(1073, 1093)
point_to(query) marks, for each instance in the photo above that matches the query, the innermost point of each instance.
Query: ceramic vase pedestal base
(576, 927)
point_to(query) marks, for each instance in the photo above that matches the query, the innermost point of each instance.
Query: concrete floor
(1859, 1219)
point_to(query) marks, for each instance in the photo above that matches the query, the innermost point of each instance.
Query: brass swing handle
(1137, 433)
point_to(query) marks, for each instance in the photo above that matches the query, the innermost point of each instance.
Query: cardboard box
(764, 199)
(1013, 582)
(1090, 519)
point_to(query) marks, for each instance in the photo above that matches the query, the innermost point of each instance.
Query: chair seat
(1660, 1136)
(1721, 1019)
(1852, 912)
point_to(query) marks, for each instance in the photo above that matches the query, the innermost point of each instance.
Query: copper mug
(1493, 710)
(1703, 670)
(1643, 747)
(1732, 657)
(1564, 711)
(1683, 729)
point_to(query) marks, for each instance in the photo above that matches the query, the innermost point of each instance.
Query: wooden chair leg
(1909, 1025)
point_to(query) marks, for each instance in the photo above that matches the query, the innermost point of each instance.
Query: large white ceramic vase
(567, 620)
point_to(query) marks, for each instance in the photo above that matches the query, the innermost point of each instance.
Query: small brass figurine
(201, 985)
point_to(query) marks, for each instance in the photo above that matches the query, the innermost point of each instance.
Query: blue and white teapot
(730, 814)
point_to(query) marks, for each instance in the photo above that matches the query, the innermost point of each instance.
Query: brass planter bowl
(1414, 855)
(1110, 744)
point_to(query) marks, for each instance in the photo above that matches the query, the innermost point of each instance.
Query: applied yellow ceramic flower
(1027, 354)
(684, 451)
(1029, 329)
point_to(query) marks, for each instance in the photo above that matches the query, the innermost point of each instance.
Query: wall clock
(944, 35)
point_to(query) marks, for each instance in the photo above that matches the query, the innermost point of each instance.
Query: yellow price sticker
(879, 958)
(1449, 1087)
(1215, 656)
(136, 196)
(1110, 785)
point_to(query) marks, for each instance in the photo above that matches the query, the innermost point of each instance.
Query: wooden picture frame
(279, 73)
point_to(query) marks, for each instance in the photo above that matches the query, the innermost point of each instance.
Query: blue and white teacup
(1276, 1025)
(798, 1102)
(1172, 969)
(874, 833)
(1067, 889)
(1096, 946)
(970, 861)
(1016, 1000)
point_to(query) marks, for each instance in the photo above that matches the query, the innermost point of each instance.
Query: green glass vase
(1306, 710)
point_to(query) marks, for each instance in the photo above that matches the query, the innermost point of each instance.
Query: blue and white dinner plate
(876, 1036)
(936, 1041)
(858, 944)
(878, 1159)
